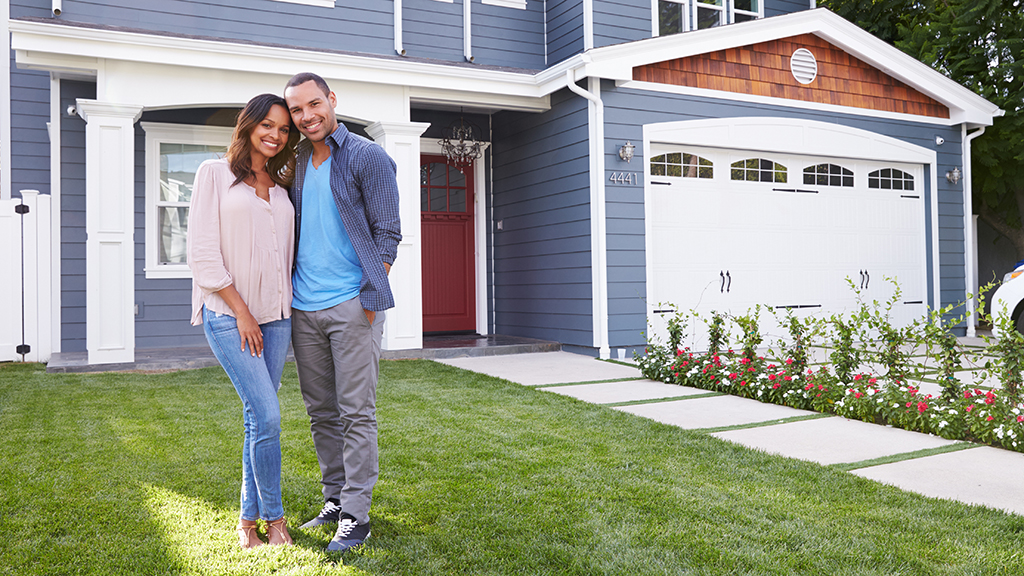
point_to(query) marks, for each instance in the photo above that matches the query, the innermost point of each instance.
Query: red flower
(733, 375)
(922, 406)
(988, 418)
(776, 386)
(971, 407)
(751, 369)
(789, 378)
(679, 352)
(744, 383)
(872, 381)
(789, 361)
(990, 397)
(857, 395)
(856, 377)
(685, 363)
(1020, 418)
(967, 393)
(908, 404)
(771, 376)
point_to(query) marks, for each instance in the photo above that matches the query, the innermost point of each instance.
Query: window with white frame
(173, 154)
(675, 16)
(744, 10)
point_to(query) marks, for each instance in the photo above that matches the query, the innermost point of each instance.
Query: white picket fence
(26, 264)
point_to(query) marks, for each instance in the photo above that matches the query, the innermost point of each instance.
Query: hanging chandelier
(460, 146)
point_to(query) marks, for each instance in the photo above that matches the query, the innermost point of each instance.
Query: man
(347, 227)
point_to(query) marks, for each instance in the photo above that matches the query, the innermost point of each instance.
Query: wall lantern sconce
(460, 146)
(953, 176)
(626, 151)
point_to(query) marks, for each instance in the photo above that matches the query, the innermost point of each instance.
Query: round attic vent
(804, 66)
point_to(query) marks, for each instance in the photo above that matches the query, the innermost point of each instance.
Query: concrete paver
(713, 412)
(832, 440)
(983, 475)
(611, 392)
(545, 368)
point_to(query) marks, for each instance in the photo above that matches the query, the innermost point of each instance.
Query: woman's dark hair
(281, 166)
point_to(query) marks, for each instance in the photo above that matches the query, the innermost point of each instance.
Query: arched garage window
(828, 175)
(758, 170)
(682, 164)
(890, 179)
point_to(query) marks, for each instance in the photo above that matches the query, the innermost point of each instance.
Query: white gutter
(55, 176)
(467, 31)
(398, 28)
(598, 223)
(970, 240)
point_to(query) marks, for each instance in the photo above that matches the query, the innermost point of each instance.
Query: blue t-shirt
(327, 269)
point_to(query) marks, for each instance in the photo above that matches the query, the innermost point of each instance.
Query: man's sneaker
(328, 514)
(349, 534)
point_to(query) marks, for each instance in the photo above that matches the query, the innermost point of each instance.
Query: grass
(113, 474)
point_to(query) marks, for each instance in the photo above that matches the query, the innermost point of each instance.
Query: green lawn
(139, 474)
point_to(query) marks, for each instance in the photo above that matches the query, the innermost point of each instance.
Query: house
(776, 150)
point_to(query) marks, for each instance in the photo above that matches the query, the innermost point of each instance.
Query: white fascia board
(43, 44)
(617, 62)
(480, 102)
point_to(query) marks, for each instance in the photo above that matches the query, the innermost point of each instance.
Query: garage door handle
(729, 278)
(721, 286)
(868, 276)
(861, 279)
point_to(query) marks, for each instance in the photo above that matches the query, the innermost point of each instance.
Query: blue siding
(72, 218)
(627, 110)
(508, 36)
(542, 274)
(432, 29)
(617, 21)
(352, 25)
(564, 29)
(30, 111)
(777, 7)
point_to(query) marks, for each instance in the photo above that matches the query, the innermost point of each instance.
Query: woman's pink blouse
(235, 237)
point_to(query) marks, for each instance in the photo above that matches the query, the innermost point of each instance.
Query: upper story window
(676, 16)
(682, 165)
(828, 175)
(891, 179)
(758, 170)
(173, 154)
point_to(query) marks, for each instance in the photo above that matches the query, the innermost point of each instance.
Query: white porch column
(110, 230)
(404, 327)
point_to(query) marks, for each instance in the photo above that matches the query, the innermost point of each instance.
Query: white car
(1009, 298)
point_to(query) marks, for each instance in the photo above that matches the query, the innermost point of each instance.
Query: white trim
(157, 133)
(519, 4)
(588, 25)
(598, 212)
(5, 101)
(55, 175)
(481, 226)
(319, 3)
(785, 102)
(757, 15)
(799, 137)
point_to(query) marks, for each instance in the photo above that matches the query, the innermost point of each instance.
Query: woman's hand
(250, 332)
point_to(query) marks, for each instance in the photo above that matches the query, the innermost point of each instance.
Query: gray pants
(337, 354)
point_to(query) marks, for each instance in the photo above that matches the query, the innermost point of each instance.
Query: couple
(310, 266)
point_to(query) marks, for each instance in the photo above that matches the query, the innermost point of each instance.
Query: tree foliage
(980, 45)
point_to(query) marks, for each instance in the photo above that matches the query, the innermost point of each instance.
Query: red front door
(449, 282)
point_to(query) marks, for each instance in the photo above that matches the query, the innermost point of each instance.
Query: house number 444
(624, 178)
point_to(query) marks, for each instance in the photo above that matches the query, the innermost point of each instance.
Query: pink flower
(988, 418)
(922, 406)
(789, 361)
(776, 386)
(967, 393)
(685, 363)
(971, 407)
(908, 404)
(872, 381)
(1020, 418)
(789, 378)
(771, 376)
(990, 397)
(857, 394)
(743, 383)
(856, 377)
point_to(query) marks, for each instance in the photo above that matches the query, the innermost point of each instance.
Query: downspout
(598, 224)
(971, 260)
(398, 28)
(467, 31)
(588, 24)
(56, 6)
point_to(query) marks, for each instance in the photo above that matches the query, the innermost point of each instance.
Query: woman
(240, 248)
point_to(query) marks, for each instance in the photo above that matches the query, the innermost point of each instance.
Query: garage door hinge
(21, 209)
(22, 349)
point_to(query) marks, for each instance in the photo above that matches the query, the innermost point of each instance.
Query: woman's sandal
(247, 536)
(280, 526)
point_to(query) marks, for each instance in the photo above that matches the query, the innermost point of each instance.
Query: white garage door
(730, 229)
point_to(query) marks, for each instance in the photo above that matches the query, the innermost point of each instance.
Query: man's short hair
(303, 77)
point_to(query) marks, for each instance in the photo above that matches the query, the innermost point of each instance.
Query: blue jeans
(257, 380)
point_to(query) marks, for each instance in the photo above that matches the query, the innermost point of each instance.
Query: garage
(729, 229)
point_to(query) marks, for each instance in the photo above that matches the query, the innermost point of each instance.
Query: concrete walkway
(921, 463)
